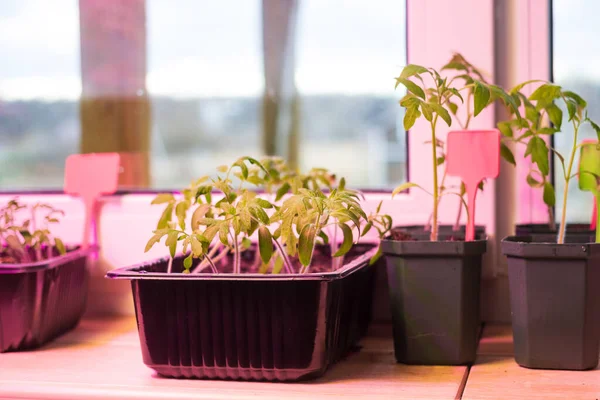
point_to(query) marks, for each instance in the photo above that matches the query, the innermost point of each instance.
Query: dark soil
(399, 235)
(321, 261)
(6, 258)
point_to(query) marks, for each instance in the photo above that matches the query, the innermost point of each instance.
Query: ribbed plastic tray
(40, 301)
(251, 326)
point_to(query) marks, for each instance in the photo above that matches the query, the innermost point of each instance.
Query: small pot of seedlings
(532, 125)
(466, 74)
(554, 280)
(267, 286)
(434, 280)
(43, 284)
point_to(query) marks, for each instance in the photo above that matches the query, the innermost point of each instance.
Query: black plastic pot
(581, 231)
(555, 302)
(249, 326)
(434, 295)
(40, 301)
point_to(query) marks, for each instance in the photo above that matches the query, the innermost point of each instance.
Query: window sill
(101, 359)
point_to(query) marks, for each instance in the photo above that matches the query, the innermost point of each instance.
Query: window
(182, 84)
(39, 87)
(576, 66)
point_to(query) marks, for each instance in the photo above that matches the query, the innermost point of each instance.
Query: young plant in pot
(554, 280)
(529, 130)
(434, 281)
(470, 79)
(31, 257)
(215, 310)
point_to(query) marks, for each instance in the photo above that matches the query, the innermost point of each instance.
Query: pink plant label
(473, 156)
(89, 176)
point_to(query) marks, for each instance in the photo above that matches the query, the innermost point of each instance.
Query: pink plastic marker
(473, 156)
(89, 176)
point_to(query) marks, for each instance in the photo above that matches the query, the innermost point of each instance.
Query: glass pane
(576, 66)
(39, 88)
(348, 54)
(205, 80)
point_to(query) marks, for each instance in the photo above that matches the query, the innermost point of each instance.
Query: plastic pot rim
(137, 272)
(48, 263)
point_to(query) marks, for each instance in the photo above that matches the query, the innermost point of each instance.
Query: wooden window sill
(101, 359)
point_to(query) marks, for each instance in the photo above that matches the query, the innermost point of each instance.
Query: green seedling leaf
(427, 111)
(163, 198)
(347, 241)
(456, 93)
(197, 248)
(261, 215)
(574, 96)
(265, 244)
(537, 148)
(411, 87)
(153, 240)
(376, 256)
(572, 109)
(277, 265)
(306, 244)
(187, 262)
(545, 94)
(520, 86)
(199, 214)
(254, 161)
(60, 246)
(507, 154)
(555, 114)
(481, 96)
(324, 237)
(595, 127)
(282, 191)
(367, 228)
(410, 117)
(165, 218)
(172, 242)
(411, 70)
(455, 65)
(453, 107)
(547, 131)
(505, 129)
(442, 112)
(246, 243)
(549, 196)
(240, 163)
(264, 203)
(403, 187)
(531, 181)
(223, 169)
(181, 211)
(410, 101)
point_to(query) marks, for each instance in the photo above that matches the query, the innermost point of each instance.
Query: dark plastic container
(434, 296)
(250, 326)
(580, 230)
(40, 301)
(555, 302)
